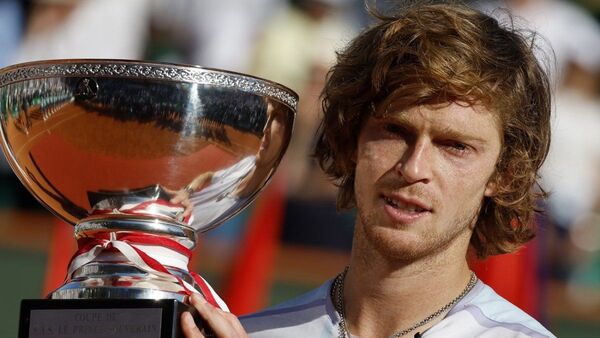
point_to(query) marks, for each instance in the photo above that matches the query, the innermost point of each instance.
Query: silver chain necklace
(337, 295)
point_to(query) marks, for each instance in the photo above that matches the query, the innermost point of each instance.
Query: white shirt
(481, 313)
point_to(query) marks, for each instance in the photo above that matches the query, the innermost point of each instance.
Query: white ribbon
(163, 255)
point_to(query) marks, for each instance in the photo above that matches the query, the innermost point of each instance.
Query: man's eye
(459, 146)
(393, 128)
(456, 147)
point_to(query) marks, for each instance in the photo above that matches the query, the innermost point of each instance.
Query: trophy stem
(133, 258)
(178, 232)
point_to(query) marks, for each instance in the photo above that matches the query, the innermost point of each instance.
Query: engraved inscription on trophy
(96, 323)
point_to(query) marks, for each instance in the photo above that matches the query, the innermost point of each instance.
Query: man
(435, 125)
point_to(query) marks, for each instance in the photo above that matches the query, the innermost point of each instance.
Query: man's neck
(383, 296)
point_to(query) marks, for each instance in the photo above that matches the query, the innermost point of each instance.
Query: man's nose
(416, 163)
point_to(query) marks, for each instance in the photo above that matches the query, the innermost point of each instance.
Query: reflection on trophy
(140, 157)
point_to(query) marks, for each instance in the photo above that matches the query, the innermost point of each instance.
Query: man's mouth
(405, 205)
(402, 206)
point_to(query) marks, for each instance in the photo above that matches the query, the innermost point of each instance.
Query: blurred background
(292, 239)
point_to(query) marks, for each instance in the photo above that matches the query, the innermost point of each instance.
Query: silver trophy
(140, 157)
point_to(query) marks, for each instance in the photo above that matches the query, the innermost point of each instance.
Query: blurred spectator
(85, 29)
(301, 36)
(572, 168)
(216, 33)
(570, 33)
(296, 48)
(11, 26)
(571, 173)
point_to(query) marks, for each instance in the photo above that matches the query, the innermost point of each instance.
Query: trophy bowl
(140, 157)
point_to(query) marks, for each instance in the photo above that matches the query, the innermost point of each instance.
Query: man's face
(421, 176)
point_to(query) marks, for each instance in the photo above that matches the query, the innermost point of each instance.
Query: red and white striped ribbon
(149, 253)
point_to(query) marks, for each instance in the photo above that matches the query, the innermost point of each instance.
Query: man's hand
(223, 324)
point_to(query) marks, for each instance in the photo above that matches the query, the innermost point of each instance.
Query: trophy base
(99, 318)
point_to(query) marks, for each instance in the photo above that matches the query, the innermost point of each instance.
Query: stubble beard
(429, 245)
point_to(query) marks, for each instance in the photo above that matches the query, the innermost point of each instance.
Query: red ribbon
(103, 239)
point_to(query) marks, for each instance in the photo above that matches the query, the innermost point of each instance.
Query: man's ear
(491, 187)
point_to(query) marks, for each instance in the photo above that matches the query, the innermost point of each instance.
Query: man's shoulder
(310, 313)
(484, 313)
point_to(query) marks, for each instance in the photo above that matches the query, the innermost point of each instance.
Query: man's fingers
(222, 323)
(235, 323)
(213, 316)
(190, 330)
